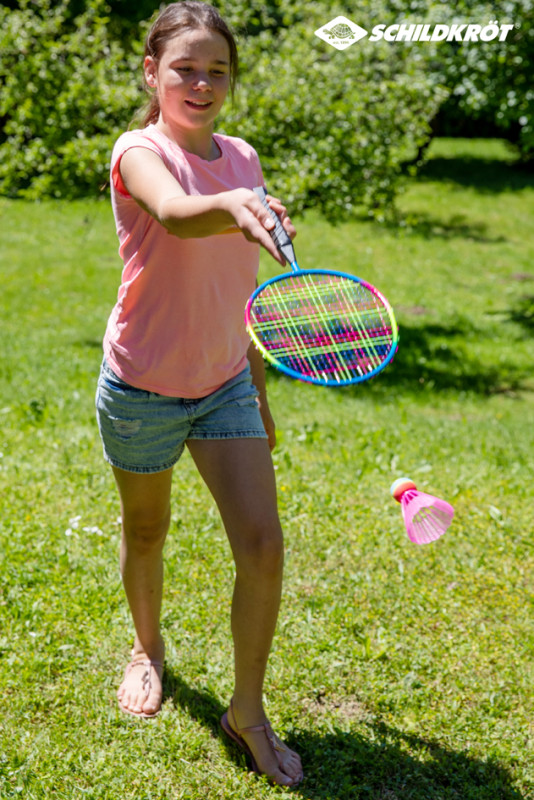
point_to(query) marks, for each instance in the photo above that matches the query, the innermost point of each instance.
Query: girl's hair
(177, 17)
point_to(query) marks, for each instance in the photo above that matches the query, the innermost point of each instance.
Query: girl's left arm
(257, 368)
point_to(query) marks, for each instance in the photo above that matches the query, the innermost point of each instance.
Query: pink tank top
(178, 325)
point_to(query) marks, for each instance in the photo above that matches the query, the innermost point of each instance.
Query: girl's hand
(255, 221)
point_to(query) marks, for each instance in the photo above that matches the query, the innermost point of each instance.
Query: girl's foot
(140, 692)
(268, 754)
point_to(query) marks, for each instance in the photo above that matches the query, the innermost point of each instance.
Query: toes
(151, 705)
(292, 767)
(126, 700)
(139, 704)
(282, 779)
(287, 777)
(137, 694)
(288, 771)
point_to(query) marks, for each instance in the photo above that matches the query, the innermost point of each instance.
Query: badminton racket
(426, 517)
(318, 325)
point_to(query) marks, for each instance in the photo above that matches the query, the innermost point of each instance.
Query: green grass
(399, 673)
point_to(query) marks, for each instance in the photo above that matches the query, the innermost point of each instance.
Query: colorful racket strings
(323, 327)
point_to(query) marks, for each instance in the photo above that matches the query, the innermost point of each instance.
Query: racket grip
(279, 234)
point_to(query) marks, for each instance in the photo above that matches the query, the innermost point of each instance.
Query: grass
(399, 673)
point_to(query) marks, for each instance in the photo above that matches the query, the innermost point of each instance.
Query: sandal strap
(147, 678)
(252, 729)
(145, 663)
(265, 728)
(274, 741)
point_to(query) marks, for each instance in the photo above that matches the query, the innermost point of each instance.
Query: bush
(493, 84)
(489, 84)
(67, 92)
(332, 128)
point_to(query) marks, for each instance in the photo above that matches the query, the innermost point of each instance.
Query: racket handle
(279, 234)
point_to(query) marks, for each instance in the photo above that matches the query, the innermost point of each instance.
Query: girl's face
(192, 79)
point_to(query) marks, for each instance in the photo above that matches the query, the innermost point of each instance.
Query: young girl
(179, 368)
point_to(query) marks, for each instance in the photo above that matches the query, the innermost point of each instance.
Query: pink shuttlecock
(426, 517)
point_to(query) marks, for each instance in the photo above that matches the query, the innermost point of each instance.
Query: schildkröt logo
(341, 32)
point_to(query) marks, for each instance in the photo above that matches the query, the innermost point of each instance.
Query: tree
(333, 128)
(491, 84)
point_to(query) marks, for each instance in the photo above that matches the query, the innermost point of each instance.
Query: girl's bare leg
(240, 476)
(145, 506)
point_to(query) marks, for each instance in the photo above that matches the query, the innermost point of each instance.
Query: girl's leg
(145, 507)
(240, 476)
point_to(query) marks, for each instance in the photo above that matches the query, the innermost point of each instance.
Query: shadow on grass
(486, 175)
(436, 357)
(523, 314)
(383, 763)
(457, 226)
(380, 763)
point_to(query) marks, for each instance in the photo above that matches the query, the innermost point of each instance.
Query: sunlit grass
(399, 672)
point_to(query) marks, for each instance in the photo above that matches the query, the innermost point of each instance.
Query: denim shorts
(145, 432)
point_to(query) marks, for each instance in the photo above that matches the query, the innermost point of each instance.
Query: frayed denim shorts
(145, 432)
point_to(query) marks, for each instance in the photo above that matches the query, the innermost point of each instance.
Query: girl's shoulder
(148, 137)
(238, 161)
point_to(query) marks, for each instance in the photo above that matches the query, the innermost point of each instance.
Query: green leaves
(66, 93)
(333, 128)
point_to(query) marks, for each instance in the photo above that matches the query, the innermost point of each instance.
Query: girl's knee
(261, 549)
(146, 535)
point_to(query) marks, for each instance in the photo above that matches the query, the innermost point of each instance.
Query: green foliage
(332, 127)
(490, 83)
(67, 91)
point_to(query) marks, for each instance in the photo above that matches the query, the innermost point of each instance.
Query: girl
(179, 368)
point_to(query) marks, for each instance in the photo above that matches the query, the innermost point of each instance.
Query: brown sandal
(147, 684)
(236, 734)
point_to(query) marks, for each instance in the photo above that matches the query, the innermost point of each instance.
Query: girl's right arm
(155, 189)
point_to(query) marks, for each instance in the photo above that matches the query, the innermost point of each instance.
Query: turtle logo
(341, 33)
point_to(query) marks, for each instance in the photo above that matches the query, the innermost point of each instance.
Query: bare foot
(270, 756)
(140, 692)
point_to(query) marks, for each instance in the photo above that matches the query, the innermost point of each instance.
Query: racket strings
(323, 326)
(333, 340)
(322, 334)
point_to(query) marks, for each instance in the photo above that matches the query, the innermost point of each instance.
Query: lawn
(399, 672)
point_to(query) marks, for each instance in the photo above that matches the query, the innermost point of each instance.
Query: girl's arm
(150, 183)
(257, 368)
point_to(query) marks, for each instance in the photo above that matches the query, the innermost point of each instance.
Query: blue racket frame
(323, 380)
